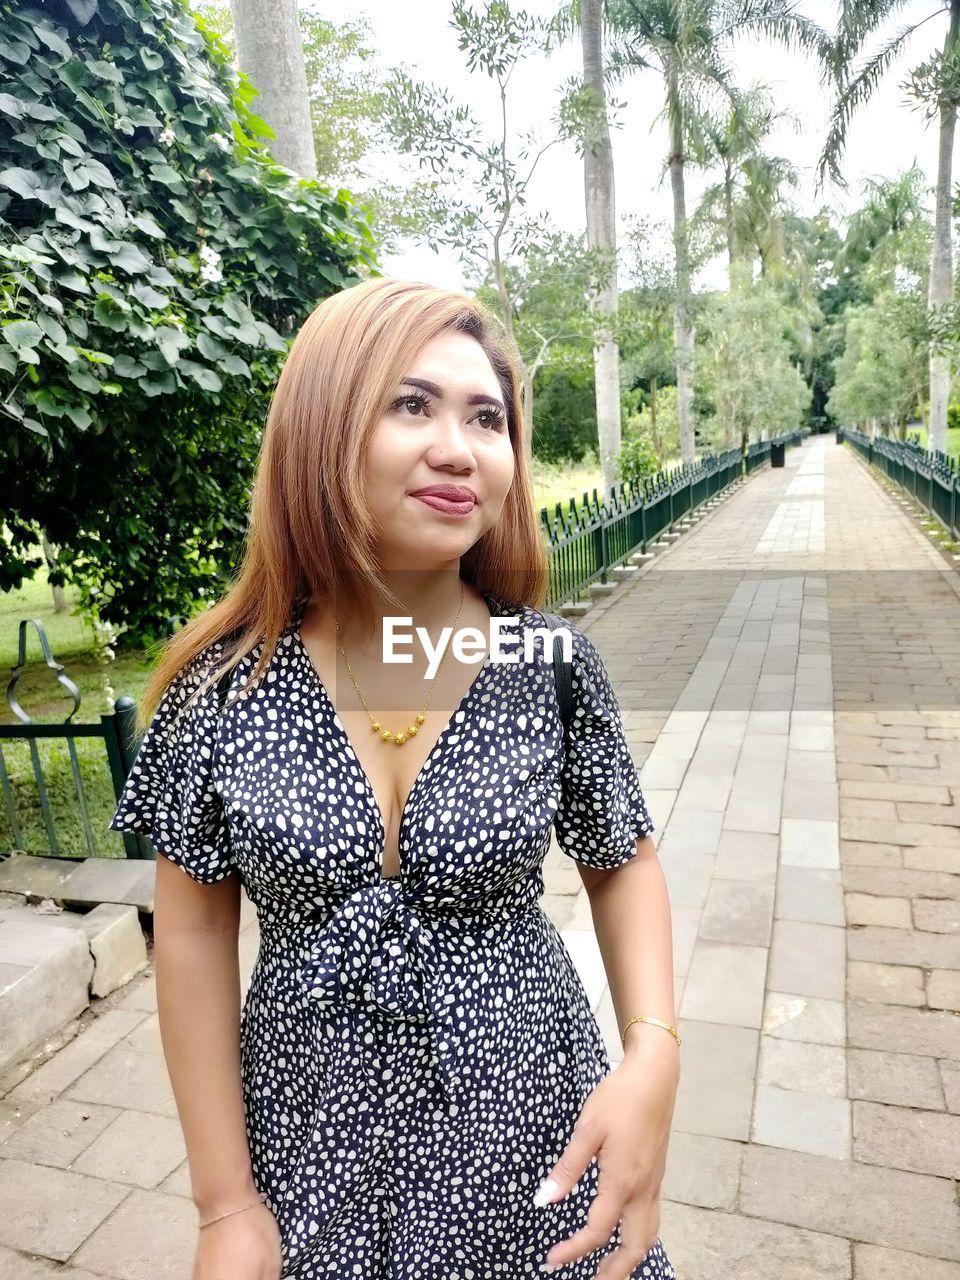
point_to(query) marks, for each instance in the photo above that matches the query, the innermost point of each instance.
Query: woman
(416, 1053)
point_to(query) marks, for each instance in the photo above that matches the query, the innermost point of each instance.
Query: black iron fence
(933, 478)
(588, 540)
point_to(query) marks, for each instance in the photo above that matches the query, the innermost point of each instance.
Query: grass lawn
(953, 439)
(559, 482)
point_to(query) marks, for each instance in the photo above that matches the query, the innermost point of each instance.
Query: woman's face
(446, 425)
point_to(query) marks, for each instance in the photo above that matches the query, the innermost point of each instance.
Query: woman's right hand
(242, 1246)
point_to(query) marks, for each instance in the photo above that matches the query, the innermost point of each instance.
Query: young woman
(416, 1053)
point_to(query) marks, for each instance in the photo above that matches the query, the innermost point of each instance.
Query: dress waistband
(372, 949)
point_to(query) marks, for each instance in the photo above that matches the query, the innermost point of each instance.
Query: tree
(747, 372)
(153, 263)
(646, 318)
(890, 232)
(599, 191)
(935, 85)
(550, 281)
(342, 87)
(881, 377)
(270, 54)
(818, 290)
(744, 206)
(424, 121)
(687, 43)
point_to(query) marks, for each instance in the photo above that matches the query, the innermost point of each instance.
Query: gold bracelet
(656, 1021)
(262, 1197)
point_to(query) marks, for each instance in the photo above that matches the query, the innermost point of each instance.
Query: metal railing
(586, 542)
(114, 730)
(932, 477)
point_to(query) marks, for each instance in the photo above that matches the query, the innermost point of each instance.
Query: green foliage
(890, 236)
(651, 430)
(882, 373)
(645, 314)
(548, 280)
(564, 414)
(475, 181)
(746, 370)
(155, 262)
(638, 458)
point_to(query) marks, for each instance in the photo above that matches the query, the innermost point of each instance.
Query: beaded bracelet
(261, 1199)
(656, 1021)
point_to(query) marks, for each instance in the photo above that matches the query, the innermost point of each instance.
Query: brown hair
(310, 531)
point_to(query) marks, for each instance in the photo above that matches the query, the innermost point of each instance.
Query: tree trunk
(526, 376)
(600, 202)
(526, 382)
(682, 328)
(941, 261)
(50, 555)
(728, 213)
(653, 404)
(270, 53)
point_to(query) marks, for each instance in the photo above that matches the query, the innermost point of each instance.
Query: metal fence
(933, 478)
(114, 730)
(585, 543)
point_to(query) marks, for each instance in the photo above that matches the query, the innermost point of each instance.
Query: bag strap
(562, 670)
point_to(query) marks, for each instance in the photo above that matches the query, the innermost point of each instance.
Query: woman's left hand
(625, 1123)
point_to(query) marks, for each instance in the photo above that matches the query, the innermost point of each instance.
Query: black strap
(562, 670)
(562, 673)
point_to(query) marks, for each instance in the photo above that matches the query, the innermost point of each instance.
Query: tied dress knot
(376, 952)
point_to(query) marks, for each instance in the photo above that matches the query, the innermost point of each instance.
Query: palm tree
(887, 230)
(935, 86)
(688, 43)
(599, 193)
(746, 205)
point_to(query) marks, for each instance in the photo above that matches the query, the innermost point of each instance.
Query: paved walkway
(789, 673)
(806, 787)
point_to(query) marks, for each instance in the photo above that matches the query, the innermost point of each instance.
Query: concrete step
(602, 588)
(80, 882)
(52, 962)
(573, 609)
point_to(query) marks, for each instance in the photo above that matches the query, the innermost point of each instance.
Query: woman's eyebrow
(478, 397)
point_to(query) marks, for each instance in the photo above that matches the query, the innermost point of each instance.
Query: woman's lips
(446, 505)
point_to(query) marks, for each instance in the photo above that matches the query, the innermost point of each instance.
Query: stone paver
(798, 737)
(824, 731)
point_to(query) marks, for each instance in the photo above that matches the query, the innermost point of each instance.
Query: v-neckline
(494, 608)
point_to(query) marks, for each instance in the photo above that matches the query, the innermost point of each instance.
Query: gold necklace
(375, 725)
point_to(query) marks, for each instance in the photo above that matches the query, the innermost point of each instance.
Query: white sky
(886, 137)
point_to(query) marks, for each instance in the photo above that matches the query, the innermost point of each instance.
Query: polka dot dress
(415, 1050)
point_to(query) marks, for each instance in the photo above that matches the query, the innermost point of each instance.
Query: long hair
(311, 532)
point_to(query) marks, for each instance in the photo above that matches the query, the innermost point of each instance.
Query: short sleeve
(602, 811)
(169, 795)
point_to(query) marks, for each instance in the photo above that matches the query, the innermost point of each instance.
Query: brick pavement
(789, 674)
(806, 787)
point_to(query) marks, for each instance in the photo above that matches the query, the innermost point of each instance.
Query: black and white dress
(415, 1050)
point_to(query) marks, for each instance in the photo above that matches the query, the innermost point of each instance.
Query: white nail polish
(545, 1192)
